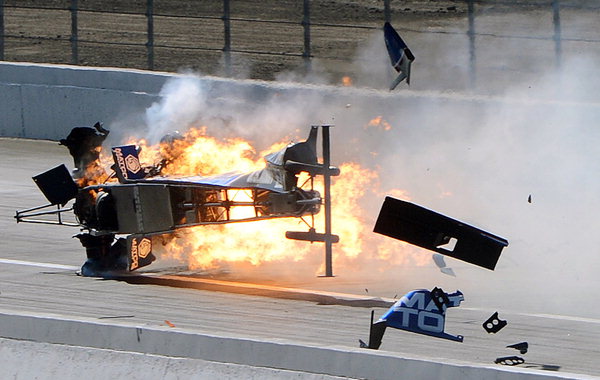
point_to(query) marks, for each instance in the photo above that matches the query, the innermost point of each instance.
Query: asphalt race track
(38, 265)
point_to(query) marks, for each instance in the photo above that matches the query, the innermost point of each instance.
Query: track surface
(37, 274)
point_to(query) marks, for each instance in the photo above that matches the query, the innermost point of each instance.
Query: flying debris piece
(169, 323)
(529, 198)
(509, 360)
(84, 145)
(440, 298)
(441, 263)
(522, 347)
(427, 229)
(116, 316)
(57, 185)
(494, 324)
(416, 312)
(439, 260)
(550, 367)
(376, 331)
(400, 54)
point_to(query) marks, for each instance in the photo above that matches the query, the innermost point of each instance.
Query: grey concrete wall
(178, 343)
(78, 76)
(46, 101)
(34, 360)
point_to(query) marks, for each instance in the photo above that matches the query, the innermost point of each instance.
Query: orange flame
(378, 122)
(210, 246)
(263, 241)
(346, 81)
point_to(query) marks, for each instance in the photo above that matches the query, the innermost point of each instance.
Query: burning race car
(119, 216)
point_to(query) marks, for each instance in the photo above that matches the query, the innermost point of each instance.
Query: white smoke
(473, 157)
(181, 105)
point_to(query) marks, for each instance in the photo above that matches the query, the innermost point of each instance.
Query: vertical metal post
(386, 11)
(557, 32)
(227, 37)
(327, 180)
(150, 43)
(1, 30)
(306, 26)
(471, 34)
(73, 39)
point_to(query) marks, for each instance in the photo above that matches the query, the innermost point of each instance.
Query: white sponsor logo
(133, 164)
(144, 248)
(134, 255)
(428, 317)
(426, 320)
(121, 162)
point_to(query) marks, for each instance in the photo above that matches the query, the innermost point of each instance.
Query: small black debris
(550, 367)
(529, 198)
(116, 316)
(439, 298)
(509, 360)
(494, 324)
(522, 347)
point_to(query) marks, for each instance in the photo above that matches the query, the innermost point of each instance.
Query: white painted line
(345, 296)
(571, 318)
(40, 265)
(564, 317)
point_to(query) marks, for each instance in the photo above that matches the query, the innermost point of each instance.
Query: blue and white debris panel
(418, 312)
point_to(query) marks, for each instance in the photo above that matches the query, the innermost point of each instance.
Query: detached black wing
(427, 229)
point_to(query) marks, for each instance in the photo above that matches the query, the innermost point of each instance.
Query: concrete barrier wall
(284, 356)
(46, 101)
(33, 360)
(79, 76)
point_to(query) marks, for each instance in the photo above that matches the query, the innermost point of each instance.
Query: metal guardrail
(228, 48)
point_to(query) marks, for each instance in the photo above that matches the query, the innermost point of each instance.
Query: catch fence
(320, 39)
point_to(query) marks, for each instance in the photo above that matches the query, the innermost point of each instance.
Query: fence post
(306, 26)
(386, 11)
(1, 30)
(227, 37)
(73, 39)
(150, 43)
(557, 32)
(471, 34)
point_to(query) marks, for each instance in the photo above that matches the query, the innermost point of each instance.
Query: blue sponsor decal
(127, 163)
(140, 251)
(418, 312)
